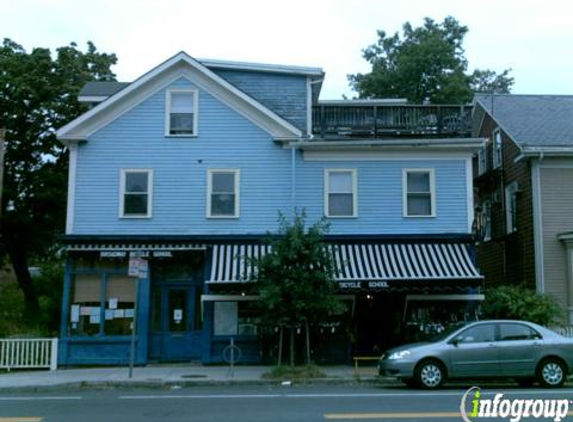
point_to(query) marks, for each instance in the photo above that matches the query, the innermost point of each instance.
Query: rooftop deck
(391, 119)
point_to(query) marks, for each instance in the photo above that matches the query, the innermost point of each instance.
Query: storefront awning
(234, 263)
(374, 263)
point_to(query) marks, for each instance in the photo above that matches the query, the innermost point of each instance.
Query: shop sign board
(142, 254)
(138, 266)
(360, 285)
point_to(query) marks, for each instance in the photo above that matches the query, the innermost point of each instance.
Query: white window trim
(432, 174)
(168, 94)
(497, 158)
(237, 174)
(353, 173)
(510, 189)
(149, 192)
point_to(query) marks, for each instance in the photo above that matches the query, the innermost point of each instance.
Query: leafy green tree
(425, 64)
(518, 302)
(295, 280)
(38, 94)
(487, 81)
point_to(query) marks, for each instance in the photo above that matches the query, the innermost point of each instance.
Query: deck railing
(29, 353)
(564, 331)
(383, 121)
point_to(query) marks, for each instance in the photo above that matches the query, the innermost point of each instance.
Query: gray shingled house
(523, 180)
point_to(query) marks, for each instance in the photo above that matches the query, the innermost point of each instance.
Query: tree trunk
(281, 347)
(292, 339)
(20, 265)
(307, 328)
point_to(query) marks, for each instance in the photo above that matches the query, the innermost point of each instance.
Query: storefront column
(63, 342)
(143, 313)
(207, 307)
(207, 339)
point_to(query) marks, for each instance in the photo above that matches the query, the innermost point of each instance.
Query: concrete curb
(185, 383)
(175, 385)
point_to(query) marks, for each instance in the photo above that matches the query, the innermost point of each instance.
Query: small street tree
(295, 281)
(425, 63)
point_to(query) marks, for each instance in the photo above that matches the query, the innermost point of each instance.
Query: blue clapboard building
(176, 179)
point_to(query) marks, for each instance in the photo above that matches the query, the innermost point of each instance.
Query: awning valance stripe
(117, 247)
(360, 262)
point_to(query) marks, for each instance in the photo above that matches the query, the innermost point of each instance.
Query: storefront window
(424, 319)
(102, 298)
(236, 318)
(119, 305)
(85, 308)
(248, 319)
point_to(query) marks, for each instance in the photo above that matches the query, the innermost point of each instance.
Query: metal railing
(564, 331)
(383, 121)
(29, 353)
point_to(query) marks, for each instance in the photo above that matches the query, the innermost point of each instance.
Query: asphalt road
(256, 404)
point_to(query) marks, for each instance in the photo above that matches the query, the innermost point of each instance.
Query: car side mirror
(455, 341)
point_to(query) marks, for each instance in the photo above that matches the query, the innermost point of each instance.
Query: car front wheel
(430, 374)
(551, 373)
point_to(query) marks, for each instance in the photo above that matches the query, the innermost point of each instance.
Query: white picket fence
(29, 353)
(564, 331)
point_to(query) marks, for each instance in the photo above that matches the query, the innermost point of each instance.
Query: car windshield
(447, 331)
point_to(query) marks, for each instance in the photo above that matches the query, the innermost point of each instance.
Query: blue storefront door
(176, 322)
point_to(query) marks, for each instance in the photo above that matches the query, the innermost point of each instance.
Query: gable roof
(180, 65)
(534, 122)
(96, 91)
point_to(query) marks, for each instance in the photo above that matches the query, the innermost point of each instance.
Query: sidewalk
(165, 376)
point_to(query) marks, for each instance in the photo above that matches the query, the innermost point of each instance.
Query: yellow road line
(20, 419)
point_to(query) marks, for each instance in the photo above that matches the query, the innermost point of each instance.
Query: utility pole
(2, 142)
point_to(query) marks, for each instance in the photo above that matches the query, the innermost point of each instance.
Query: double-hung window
(419, 199)
(340, 193)
(497, 149)
(223, 193)
(136, 193)
(181, 112)
(486, 220)
(511, 207)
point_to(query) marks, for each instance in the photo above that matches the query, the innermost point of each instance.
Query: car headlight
(399, 355)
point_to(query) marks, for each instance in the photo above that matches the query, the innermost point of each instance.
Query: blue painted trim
(62, 346)
(102, 294)
(206, 352)
(143, 314)
(212, 239)
(207, 334)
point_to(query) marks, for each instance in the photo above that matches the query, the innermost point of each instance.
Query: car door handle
(536, 344)
(491, 345)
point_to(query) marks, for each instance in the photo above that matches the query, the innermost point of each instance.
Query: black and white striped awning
(360, 262)
(419, 261)
(233, 263)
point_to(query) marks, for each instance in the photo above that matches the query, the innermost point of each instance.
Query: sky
(533, 38)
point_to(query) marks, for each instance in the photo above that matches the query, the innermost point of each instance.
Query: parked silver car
(520, 350)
